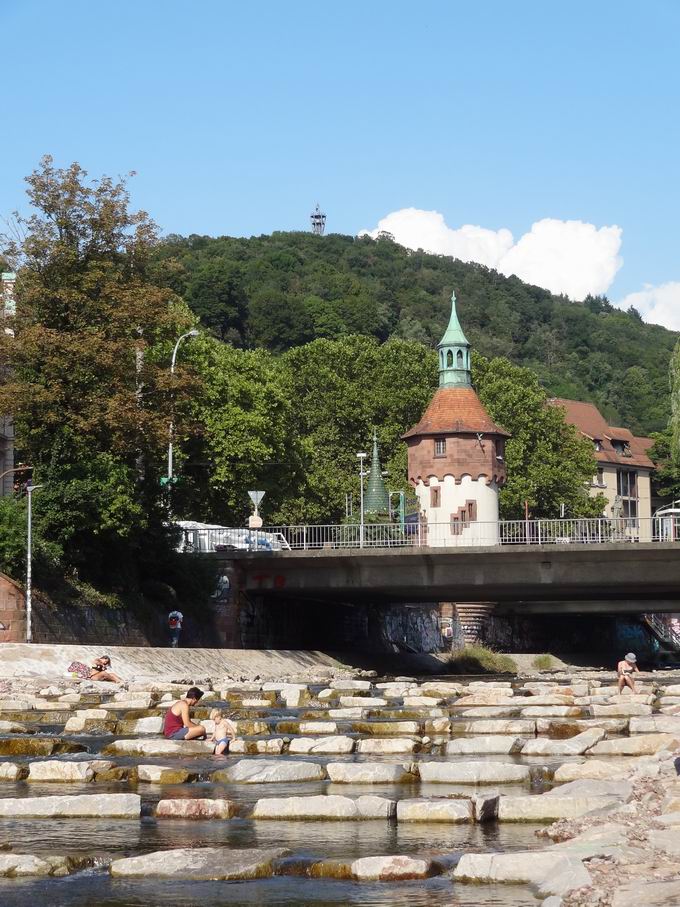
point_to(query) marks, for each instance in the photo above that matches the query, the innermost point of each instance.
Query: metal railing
(435, 535)
(664, 629)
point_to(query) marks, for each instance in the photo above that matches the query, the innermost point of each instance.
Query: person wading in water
(177, 724)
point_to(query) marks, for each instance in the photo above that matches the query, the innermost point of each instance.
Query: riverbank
(339, 787)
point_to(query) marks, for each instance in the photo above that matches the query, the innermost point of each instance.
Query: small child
(225, 730)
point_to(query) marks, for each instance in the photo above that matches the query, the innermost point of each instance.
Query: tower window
(459, 358)
(440, 447)
(435, 496)
(449, 359)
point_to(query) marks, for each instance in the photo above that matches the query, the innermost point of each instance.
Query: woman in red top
(178, 724)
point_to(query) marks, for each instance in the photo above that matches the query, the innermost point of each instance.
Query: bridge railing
(594, 531)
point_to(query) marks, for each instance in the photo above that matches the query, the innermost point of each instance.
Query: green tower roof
(454, 336)
(377, 499)
(454, 353)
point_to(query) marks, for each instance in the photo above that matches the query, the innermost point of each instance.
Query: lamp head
(193, 333)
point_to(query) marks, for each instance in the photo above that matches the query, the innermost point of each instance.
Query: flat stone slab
(194, 808)
(623, 708)
(53, 770)
(369, 773)
(201, 863)
(323, 807)
(390, 869)
(541, 808)
(519, 726)
(551, 711)
(162, 774)
(592, 769)
(160, 747)
(638, 745)
(551, 873)
(266, 771)
(473, 772)
(666, 724)
(437, 810)
(338, 745)
(572, 746)
(20, 865)
(387, 746)
(100, 806)
(271, 747)
(496, 744)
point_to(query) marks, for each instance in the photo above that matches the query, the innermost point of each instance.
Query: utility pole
(168, 480)
(362, 473)
(29, 558)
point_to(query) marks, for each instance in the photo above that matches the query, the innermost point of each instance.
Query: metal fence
(435, 535)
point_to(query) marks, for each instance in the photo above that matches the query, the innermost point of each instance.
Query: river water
(99, 841)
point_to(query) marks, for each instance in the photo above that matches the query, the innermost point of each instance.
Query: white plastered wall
(453, 496)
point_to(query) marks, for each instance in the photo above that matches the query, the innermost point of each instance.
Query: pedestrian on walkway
(175, 619)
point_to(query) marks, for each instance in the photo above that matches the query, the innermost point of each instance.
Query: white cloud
(659, 305)
(570, 257)
(428, 230)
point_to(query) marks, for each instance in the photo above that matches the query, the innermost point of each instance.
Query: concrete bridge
(618, 577)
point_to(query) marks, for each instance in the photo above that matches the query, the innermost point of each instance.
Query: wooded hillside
(284, 290)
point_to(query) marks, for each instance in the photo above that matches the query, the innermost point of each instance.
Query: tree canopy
(287, 289)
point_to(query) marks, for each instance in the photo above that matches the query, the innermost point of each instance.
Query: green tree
(88, 377)
(549, 463)
(245, 435)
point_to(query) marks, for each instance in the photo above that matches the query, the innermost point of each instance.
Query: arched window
(441, 358)
(459, 359)
(449, 359)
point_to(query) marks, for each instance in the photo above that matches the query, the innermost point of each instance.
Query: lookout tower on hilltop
(456, 453)
(318, 219)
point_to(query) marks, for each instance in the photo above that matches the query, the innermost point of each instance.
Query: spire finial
(454, 353)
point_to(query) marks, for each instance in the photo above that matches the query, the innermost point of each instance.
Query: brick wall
(12, 611)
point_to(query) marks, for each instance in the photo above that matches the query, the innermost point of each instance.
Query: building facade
(623, 473)
(456, 453)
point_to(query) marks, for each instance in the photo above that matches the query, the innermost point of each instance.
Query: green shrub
(480, 660)
(543, 663)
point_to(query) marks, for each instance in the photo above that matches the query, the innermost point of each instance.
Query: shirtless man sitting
(625, 670)
(177, 724)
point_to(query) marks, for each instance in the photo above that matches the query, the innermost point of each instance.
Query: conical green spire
(377, 499)
(454, 353)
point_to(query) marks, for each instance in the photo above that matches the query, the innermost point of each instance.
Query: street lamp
(29, 557)
(192, 333)
(362, 473)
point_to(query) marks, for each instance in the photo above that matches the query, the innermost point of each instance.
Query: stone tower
(456, 453)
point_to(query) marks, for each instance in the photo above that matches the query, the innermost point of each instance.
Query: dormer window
(597, 444)
(440, 447)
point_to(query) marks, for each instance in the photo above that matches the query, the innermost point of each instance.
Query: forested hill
(286, 289)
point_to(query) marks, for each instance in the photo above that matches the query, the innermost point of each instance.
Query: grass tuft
(543, 663)
(480, 660)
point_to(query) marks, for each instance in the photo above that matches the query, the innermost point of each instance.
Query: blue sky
(238, 117)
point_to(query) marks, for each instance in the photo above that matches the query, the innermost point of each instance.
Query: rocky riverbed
(343, 788)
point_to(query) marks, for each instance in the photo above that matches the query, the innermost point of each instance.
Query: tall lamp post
(362, 473)
(168, 478)
(29, 558)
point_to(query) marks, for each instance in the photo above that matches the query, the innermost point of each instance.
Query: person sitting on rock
(177, 724)
(625, 670)
(100, 669)
(225, 730)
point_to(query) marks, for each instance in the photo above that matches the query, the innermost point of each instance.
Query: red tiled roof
(591, 423)
(455, 410)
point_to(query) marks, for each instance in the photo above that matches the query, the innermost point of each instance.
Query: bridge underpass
(344, 598)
